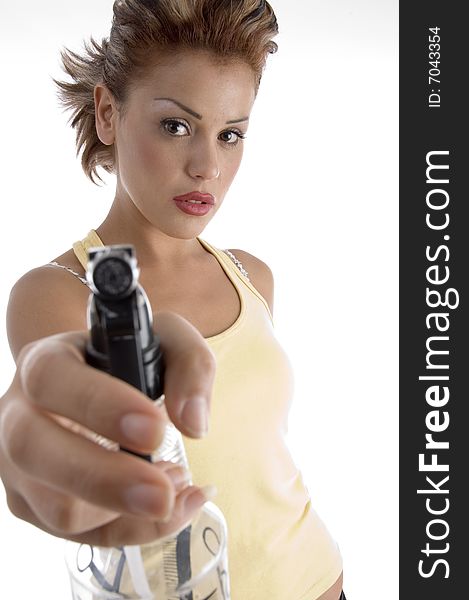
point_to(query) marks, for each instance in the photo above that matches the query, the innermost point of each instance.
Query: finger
(134, 530)
(71, 464)
(56, 512)
(62, 514)
(111, 529)
(189, 375)
(178, 474)
(55, 377)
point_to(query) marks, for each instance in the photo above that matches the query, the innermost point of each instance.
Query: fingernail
(195, 417)
(179, 475)
(139, 429)
(149, 500)
(199, 497)
(209, 491)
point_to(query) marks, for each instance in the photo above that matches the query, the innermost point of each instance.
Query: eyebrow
(195, 114)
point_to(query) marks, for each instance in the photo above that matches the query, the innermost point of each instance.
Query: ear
(105, 114)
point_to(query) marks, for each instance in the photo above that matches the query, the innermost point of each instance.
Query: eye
(232, 136)
(174, 127)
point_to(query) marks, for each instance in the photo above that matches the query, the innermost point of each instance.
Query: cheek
(232, 165)
(142, 156)
(148, 158)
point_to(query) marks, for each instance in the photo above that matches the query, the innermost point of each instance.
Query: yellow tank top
(278, 547)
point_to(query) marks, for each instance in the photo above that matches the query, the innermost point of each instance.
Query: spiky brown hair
(143, 29)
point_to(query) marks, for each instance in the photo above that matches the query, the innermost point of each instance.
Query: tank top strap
(240, 281)
(92, 240)
(237, 263)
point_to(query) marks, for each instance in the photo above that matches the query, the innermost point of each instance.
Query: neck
(124, 224)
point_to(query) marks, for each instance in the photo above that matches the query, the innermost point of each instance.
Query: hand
(60, 480)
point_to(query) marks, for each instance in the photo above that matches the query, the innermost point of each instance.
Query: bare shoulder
(260, 274)
(45, 301)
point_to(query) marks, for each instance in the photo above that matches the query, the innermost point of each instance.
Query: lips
(196, 197)
(195, 204)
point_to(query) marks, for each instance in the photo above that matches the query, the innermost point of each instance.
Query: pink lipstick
(195, 203)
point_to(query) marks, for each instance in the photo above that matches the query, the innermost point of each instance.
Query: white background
(316, 198)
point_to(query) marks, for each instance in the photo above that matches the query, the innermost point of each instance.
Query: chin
(183, 231)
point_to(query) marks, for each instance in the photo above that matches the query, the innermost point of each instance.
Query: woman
(164, 104)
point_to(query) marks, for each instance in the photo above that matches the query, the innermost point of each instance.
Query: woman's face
(182, 133)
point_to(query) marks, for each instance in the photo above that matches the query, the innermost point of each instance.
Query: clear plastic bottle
(191, 564)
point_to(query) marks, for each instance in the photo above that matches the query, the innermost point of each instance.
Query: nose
(203, 162)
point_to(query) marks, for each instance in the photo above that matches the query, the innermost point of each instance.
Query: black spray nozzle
(120, 321)
(112, 271)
